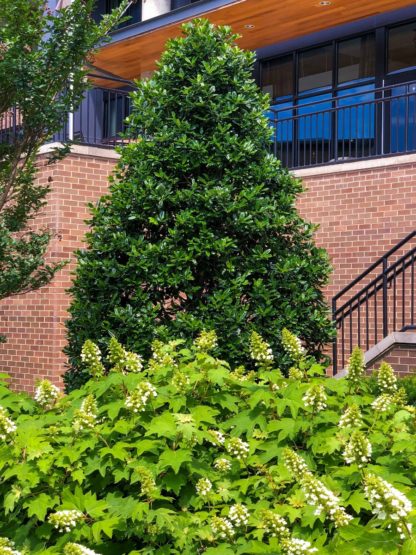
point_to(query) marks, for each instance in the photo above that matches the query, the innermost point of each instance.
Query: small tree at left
(42, 78)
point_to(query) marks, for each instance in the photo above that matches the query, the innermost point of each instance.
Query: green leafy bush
(200, 230)
(184, 454)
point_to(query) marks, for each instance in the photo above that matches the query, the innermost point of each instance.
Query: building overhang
(135, 50)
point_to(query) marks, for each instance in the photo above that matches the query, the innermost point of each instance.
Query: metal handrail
(385, 280)
(343, 97)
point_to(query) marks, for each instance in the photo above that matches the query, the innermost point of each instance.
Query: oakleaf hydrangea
(351, 418)
(78, 549)
(140, 397)
(295, 373)
(357, 450)
(91, 357)
(238, 515)
(203, 487)
(386, 379)
(218, 438)
(206, 341)
(222, 528)
(148, 486)
(46, 394)
(388, 503)
(292, 345)
(356, 366)
(260, 350)
(66, 520)
(7, 547)
(180, 381)
(382, 403)
(222, 465)
(7, 426)
(116, 355)
(276, 527)
(133, 363)
(315, 398)
(163, 355)
(86, 417)
(316, 493)
(237, 448)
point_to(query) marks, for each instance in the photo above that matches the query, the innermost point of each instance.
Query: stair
(377, 309)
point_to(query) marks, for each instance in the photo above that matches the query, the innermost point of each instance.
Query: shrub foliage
(184, 454)
(200, 230)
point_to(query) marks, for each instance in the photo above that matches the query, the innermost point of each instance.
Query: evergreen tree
(200, 229)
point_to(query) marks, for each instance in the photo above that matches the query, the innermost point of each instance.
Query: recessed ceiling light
(325, 3)
(249, 26)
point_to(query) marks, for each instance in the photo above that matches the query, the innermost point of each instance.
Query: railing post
(385, 299)
(334, 343)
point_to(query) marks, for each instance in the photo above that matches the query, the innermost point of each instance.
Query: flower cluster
(386, 379)
(78, 549)
(400, 397)
(295, 373)
(237, 448)
(357, 450)
(292, 345)
(65, 521)
(275, 525)
(138, 400)
(238, 515)
(382, 403)
(356, 366)
(351, 418)
(180, 381)
(7, 547)
(203, 487)
(7, 426)
(133, 363)
(86, 417)
(46, 394)
(222, 465)
(315, 492)
(260, 350)
(123, 361)
(116, 355)
(147, 483)
(218, 438)
(241, 375)
(388, 502)
(315, 398)
(206, 341)
(91, 357)
(163, 355)
(222, 528)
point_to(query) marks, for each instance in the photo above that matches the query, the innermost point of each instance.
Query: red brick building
(342, 81)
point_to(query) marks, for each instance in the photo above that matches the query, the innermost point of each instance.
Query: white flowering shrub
(184, 454)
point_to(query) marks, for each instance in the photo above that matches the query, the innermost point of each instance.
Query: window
(401, 47)
(356, 59)
(315, 68)
(277, 77)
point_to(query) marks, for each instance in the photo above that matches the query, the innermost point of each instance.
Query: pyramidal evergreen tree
(200, 228)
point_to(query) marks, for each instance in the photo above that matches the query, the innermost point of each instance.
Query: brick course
(362, 213)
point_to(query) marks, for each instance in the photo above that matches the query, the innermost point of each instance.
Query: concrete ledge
(360, 165)
(395, 339)
(84, 150)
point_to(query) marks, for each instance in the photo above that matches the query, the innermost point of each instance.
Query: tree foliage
(200, 229)
(40, 54)
(184, 454)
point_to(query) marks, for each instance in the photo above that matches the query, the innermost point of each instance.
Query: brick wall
(362, 212)
(34, 323)
(402, 358)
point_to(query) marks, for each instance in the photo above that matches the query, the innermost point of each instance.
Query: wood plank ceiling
(273, 20)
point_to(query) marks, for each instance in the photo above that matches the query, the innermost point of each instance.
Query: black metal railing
(368, 123)
(99, 121)
(381, 300)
